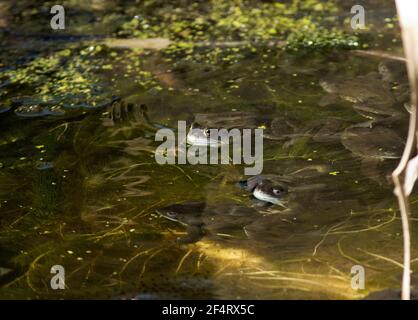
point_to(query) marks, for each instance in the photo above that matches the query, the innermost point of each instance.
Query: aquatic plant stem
(409, 25)
(378, 54)
(404, 209)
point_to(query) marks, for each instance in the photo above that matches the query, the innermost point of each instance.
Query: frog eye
(171, 214)
(207, 132)
(278, 190)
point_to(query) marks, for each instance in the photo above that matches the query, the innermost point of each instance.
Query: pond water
(80, 187)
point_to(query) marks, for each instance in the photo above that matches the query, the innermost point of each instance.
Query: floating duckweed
(321, 39)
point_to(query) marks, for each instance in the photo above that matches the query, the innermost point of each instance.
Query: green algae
(196, 21)
(77, 76)
(60, 77)
(80, 75)
(228, 20)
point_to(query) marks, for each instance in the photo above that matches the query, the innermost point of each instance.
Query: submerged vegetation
(73, 77)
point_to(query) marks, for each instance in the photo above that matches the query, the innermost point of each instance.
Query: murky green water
(80, 188)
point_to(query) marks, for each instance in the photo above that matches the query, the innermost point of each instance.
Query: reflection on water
(83, 190)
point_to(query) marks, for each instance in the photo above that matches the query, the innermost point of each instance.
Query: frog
(228, 120)
(265, 190)
(189, 215)
(372, 144)
(202, 219)
(199, 135)
(289, 131)
(377, 96)
(370, 96)
(282, 127)
(395, 74)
